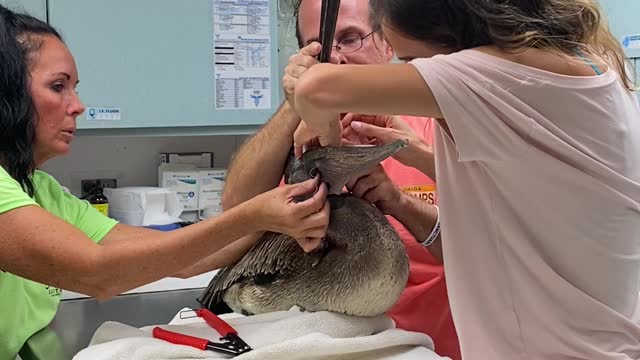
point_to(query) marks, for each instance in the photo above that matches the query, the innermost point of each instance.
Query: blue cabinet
(623, 21)
(288, 43)
(37, 8)
(152, 63)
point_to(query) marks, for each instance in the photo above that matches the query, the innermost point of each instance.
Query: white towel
(279, 335)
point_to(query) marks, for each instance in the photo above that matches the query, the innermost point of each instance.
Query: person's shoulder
(464, 64)
(40, 179)
(7, 180)
(4, 174)
(12, 194)
(461, 55)
(46, 186)
(478, 57)
(44, 179)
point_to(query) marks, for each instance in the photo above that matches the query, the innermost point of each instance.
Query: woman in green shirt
(50, 240)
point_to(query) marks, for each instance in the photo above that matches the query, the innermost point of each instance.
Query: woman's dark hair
(568, 27)
(20, 39)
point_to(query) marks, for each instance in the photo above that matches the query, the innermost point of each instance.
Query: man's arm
(256, 168)
(260, 162)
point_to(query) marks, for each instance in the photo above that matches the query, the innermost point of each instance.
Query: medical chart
(242, 54)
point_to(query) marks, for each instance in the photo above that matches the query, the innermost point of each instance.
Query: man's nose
(337, 57)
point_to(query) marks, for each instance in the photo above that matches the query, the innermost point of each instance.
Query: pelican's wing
(274, 256)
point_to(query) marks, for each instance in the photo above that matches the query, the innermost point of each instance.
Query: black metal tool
(328, 20)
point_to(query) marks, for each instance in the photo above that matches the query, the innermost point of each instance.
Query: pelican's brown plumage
(361, 269)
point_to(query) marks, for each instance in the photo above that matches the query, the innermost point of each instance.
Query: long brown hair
(20, 40)
(568, 27)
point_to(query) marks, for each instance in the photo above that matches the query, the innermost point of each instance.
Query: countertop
(167, 284)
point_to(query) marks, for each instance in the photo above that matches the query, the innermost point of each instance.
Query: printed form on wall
(242, 54)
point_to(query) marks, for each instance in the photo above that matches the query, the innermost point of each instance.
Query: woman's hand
(299, 63)
(304, 137)
(384, 129)
(316, 127)
(305, 221)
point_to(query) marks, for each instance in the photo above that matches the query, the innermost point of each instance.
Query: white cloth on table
(279, 335)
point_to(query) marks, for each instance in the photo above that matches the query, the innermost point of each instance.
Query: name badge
(422, 192)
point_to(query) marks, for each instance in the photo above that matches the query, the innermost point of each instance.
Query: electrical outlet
(88, 185)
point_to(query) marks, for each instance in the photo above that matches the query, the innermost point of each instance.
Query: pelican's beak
(338, 165)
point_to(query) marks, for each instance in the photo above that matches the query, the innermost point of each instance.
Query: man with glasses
(399, 187)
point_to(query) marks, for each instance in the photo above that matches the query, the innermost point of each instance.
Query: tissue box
(211, 184)
(186, 183)
(144, 206)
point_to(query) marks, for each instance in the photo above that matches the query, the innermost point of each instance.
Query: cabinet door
(151, 62)
(623, 22)
(37, 8)
(287, 41)
(622, 16)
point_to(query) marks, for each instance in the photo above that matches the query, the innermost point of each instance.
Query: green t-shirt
(26, 306)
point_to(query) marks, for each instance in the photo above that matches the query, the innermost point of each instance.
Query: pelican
(360, 269)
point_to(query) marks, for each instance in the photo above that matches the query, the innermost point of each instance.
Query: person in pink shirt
(399, 187)
(537, 161)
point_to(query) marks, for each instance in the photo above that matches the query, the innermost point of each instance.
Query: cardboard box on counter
(184, 180)
(198, 159)
(211, 185)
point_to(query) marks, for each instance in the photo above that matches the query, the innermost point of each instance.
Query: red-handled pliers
(231, 343)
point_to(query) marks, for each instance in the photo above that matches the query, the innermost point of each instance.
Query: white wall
(133, 161)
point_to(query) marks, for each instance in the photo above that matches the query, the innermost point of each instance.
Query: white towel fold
(279, 335)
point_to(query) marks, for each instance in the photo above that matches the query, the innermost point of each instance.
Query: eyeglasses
(351, 44)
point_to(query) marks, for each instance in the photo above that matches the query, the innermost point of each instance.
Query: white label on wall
(631, 41)
(101, 113)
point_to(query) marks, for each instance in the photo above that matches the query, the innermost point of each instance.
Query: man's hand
(376, 188)
(384, 129)
(299, 63)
